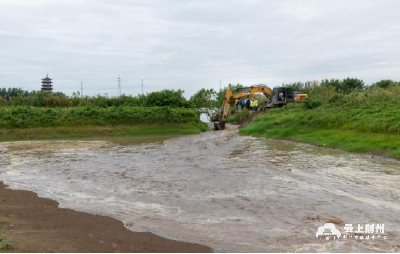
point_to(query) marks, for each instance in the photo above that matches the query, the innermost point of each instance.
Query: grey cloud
(191, 44)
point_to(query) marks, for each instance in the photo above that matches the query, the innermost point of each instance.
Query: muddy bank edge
(34, 224)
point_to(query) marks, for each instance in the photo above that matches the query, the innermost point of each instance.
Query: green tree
(11, 92)
(346, 86)
(385, 83)
(349, 85)
(205, 101)
(331, 82)
(166, 97)
(235, 89)
(296, 86)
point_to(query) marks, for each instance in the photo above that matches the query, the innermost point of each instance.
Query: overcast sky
(190, 44)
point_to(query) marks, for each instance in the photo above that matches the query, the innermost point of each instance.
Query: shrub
(349, 85)
(346, 86)
(238, 117)
(295, 86)
(25, 117)
(385, 83)
(311, 104)
(168, 98)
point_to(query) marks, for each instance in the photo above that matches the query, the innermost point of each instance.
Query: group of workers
(251, 104)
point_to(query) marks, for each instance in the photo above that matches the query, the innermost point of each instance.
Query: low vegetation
(5, 244)
(38, 115)
(30, 117)
(96, 131)
(343, 114)
(238, 117)
(18, 123)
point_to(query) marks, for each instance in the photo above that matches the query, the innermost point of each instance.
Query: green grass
(355, 125)
(238, 116)
(37, 123)
(78, 132)
(5, 244)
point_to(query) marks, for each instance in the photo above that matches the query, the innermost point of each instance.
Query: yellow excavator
(277, 97)
(299, 97)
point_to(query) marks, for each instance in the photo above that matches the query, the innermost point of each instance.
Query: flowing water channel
(219, 189)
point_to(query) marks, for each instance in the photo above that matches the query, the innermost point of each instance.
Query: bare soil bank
(35, 224)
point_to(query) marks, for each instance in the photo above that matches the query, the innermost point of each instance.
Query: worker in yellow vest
(251, 104)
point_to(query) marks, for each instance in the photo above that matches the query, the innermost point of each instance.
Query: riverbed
(219, 189)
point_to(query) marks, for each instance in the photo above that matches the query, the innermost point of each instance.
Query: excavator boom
(219, 123)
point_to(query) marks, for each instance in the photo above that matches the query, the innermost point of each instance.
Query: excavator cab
(282, 96)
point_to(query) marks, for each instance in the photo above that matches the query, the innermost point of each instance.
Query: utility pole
(81, 89)
(119, 86)
(220, 84)
(142, 86)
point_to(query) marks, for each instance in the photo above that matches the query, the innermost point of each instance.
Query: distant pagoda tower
(47, 84)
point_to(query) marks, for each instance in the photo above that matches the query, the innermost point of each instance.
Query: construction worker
(242, 103)
(248, 104)
(255, 105)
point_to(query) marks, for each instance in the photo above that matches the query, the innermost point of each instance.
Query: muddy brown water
(219, 189)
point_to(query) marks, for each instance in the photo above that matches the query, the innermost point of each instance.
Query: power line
(119, 86)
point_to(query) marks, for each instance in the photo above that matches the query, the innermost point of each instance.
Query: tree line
(203, 100)
(345, 86)
(19, 97)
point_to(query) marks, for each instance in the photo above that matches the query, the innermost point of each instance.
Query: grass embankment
(22, 123)
(367, 121)
(238, 117)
